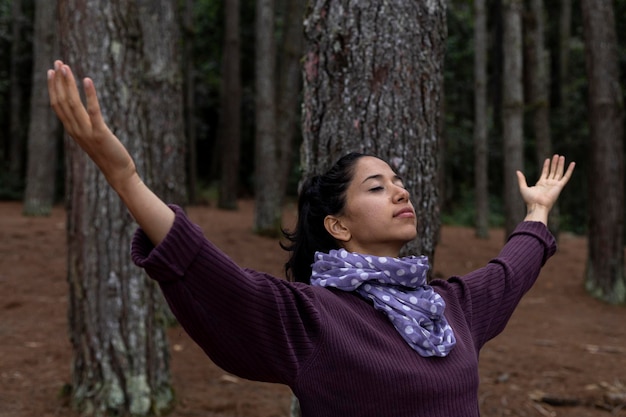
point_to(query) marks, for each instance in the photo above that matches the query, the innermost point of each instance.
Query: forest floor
(562, 354)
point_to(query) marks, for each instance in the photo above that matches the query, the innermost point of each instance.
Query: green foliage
(463, 211)
(208, 38)
(207, 56)
(569, 118)
(5, 60)
(207, 193)
(208, 16)
(570, 131)
(458, 119)
(11, 187)
(21, 58)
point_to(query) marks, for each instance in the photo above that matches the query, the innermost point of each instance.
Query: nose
(401, 194)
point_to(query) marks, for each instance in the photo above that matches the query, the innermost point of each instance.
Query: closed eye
(375, 189)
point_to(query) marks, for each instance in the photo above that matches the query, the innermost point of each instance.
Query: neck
(382, 250)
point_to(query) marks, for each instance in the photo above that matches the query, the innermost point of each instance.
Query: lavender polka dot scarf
(398, 287)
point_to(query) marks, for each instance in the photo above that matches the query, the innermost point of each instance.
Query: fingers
(55, 94)
(554, 167)
(65, 99)
(568, 173)
(545, 171)
(70, 99)
(93, 105)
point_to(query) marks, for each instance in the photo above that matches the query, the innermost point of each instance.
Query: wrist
(127, 183)
(537, 213)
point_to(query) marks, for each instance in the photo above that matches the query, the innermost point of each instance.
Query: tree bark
(496, 13)
(565, 32)
(539, 92)
(605, 266)
(512, 112)
(189, 86)
(43, 128)
(481, 160)
(116, 314)
(539, 100)
(16, 138)
(289, 89)
(372, 83)
(230, 117)
(267, 212)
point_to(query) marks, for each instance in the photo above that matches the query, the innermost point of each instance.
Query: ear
(337, 229)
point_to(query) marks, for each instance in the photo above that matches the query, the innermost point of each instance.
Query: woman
(358, 331)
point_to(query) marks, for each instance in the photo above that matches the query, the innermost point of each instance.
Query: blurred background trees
(222, 100)
(553, 104)
(605, 266)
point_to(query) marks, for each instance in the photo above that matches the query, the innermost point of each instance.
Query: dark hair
(320, 196)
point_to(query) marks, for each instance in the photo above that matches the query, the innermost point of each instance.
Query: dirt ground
(562, 354)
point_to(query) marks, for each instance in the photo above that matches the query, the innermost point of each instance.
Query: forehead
(368, 166)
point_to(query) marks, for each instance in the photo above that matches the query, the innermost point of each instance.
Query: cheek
(366, 211)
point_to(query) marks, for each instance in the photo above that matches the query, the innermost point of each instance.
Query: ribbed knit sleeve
(340, 356)
(492, 293)
(249, 323)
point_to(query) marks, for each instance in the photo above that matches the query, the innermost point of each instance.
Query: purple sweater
(340, 356)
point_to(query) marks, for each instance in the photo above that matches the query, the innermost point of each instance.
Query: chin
(411, 235)
(408, 239)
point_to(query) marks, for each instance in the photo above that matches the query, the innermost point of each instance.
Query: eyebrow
(396, 177)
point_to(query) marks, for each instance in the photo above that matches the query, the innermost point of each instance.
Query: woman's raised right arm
(87, 128)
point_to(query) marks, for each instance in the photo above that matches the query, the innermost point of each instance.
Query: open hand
(546, 191)
(85, 124)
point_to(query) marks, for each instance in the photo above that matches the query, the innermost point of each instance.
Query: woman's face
(378, 218)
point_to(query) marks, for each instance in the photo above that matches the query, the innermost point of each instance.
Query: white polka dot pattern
(396, 286)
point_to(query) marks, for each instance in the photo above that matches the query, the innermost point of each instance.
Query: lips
(405, 212)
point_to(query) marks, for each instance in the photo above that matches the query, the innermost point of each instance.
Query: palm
(552, 180)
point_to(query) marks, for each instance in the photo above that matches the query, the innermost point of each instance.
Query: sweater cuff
(170, 259)
(539, 231)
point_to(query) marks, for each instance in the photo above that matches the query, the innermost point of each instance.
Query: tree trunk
(372, 83)
(512, 112)
(373, 80)
(160, 77)
(289, 88)
(565, 31)
(496, 13)
(16, 138)
(539, 85)
(563, 84)
(230, 117)
(481, 160)
(43, 126)
(267, 195)
(189, 100)
(539, 92)
(605, 266)
(116, 314)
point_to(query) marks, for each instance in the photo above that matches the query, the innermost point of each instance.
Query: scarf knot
(398, 287)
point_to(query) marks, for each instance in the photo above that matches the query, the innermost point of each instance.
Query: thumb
(521, 180)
